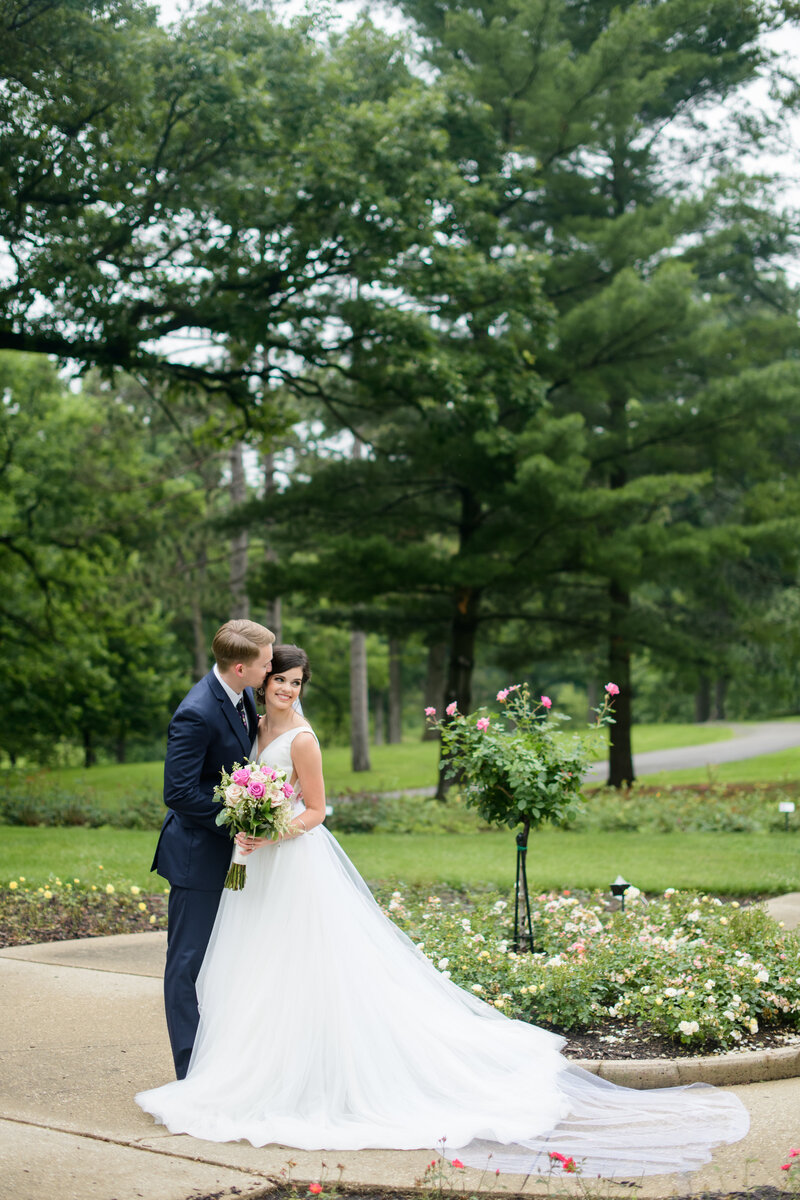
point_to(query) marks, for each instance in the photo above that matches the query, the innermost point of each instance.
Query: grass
(728, 864)
(411, 764)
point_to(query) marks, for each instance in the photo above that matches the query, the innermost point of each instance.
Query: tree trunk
(120, 749)
(435, 679)
(240, 602)
(620, 753)
(198, 634)
(702, 700)
(720, 696)
(395, 691)
(462, 660)
(89, 755)
(359, 709)
(273, 614)
(379, 719)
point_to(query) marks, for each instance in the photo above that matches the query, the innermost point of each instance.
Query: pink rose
(547, 702)
(241, 777)
(256, 790)
(430, 712)
(502, 696)
(451, 708)
(287, 790)
(612, 689)
(482, 723)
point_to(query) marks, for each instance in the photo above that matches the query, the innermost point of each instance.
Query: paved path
(749, 741)
(83, 1029)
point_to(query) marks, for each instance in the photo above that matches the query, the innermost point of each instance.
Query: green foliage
(90, 654)
(516, 770)
(35, 801)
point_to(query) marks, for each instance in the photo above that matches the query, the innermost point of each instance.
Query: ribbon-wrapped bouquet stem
(256, 800)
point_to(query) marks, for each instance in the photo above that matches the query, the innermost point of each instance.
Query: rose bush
(518, 768)
(690, 967)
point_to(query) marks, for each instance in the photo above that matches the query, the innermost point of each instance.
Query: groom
(213, 727)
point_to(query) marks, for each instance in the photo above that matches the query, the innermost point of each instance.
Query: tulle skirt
(323, 1027)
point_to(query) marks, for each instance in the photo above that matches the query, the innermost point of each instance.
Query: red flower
(786, 1167)
(554, 1154)
(458, 1163)
(315, 1188)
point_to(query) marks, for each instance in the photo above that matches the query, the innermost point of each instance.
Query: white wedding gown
(322, 1027)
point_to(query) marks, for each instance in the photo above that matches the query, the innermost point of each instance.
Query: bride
(322, 1026)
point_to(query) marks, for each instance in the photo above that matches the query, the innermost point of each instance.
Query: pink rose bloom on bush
(256, 790)
(241, 777)
(430, 712)
(612, 689)
(451, 708)
(502, 695)
(547, 702)
(482, 723)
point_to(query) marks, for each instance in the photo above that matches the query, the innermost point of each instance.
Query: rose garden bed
(675, 974)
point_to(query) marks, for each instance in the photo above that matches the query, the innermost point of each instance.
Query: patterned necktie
(242, 713)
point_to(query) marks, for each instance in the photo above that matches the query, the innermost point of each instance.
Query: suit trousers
(191, 916)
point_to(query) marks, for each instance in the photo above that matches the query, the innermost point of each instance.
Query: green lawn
(412, 764)
(729, 864)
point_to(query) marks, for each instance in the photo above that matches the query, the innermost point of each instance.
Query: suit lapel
(230, 713)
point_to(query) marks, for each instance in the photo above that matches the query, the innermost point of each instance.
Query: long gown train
(323, 1027)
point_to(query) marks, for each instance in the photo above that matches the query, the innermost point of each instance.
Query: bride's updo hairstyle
(285, 658)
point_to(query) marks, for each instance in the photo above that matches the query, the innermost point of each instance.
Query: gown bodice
(278, 754)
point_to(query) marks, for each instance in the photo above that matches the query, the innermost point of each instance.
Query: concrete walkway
(749, 741)
(83, 1030)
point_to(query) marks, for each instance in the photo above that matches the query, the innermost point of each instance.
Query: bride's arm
(307, 759)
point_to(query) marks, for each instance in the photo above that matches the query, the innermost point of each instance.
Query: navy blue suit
(206, 735)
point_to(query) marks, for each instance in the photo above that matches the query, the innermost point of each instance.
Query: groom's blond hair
(239, 641)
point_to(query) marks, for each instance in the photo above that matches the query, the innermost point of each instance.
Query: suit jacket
(206, 736)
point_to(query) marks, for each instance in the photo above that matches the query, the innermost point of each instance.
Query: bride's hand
(248, 844)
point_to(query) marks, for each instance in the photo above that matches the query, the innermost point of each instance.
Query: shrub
(688, 966)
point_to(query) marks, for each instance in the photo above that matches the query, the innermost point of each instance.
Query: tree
(225, 181)
(595, 118)
(89, 653)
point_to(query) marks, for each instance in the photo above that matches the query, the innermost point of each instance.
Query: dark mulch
(283, 1191)
(639, 1041)
(28, 917)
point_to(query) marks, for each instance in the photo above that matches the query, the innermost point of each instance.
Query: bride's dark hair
(284, 658)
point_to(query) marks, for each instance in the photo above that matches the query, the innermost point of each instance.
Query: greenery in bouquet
(255, 800)
(518, 768)
(684, 965)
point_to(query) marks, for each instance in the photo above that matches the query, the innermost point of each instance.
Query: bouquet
(256, 800)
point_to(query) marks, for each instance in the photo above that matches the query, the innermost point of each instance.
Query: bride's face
(283, 688)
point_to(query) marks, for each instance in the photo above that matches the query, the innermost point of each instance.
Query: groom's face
(252, 674)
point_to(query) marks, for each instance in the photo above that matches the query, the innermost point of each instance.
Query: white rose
(443, 962)
(753, 1025)
(689, 1027)
(762, 976)
(233, 793)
